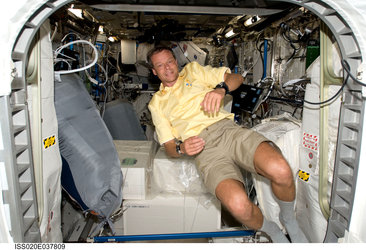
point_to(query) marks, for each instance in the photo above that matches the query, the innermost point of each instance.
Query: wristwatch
(177, 147)
(222, 85)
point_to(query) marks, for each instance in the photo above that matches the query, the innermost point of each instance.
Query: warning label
(304, 175)
(310, 141)
(49, 141)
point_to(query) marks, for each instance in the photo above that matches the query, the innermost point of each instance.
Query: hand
(193, 145)
(212, 101)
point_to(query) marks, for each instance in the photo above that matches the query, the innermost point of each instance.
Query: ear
(154, 71)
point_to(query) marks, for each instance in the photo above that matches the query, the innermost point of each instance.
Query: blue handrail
(121, 238)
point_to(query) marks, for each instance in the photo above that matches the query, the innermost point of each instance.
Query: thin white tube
(80, 69)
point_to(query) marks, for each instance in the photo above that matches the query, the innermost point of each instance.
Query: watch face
(220, 85)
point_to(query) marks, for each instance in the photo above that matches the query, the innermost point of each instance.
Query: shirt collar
(163, 89)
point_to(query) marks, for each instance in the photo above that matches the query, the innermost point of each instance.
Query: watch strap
(177, 148)
(222, 85)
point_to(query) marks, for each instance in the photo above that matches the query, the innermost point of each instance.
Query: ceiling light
(252, 20)
(248, 22)
(230, 33)
(76, 12)
(112, 39)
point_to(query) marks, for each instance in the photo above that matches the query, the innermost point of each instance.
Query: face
(165, 66)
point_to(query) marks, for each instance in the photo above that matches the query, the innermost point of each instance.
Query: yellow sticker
(48, 142)
(304, 176)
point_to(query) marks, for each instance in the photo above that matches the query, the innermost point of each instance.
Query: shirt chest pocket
(191, 89)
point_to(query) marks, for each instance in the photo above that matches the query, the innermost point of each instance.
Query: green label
(129, 161)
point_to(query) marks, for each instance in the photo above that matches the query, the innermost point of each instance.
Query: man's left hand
(212, 101)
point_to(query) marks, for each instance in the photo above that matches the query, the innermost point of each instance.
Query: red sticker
(311, 156)
(310, 141)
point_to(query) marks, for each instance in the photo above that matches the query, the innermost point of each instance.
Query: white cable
(62, 40)
(269, 90)
(92, 80)
(62, 60)
(95, 81)
(54, 32)
(58, 50)
(105, 73)
(255, 63)
(67, 57)
(85, 67)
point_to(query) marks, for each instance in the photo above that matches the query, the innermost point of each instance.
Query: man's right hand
(193, 145)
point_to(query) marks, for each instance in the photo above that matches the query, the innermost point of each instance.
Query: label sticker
(49, 141)
(311, 156)
(129, 161)
(304, 176)
(310, 141)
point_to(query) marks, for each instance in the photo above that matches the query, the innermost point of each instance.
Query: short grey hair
(156, 50)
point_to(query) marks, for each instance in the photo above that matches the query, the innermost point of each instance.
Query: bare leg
(269, 162)
(232, 195)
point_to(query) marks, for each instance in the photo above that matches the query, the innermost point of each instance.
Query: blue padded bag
(91, 172)
(122, 122)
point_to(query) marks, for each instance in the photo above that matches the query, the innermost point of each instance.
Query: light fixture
(248, 22)
(76, 12)
(252, 20)
(230, 33)
(112, 39)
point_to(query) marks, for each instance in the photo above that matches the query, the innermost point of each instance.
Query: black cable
(293, 53)
(334, 96)
(338, 92)
(347, 68)
(286, 29)
(262, 59)
(286, 100)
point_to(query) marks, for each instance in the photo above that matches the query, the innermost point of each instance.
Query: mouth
(169, 73)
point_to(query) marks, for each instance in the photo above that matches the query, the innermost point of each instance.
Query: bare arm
(233, 81)
(191, 146)
(211, 102)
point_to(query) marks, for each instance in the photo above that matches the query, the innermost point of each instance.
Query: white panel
(136, 160)
(128, 51)
(169, 214)
(309, 215)
(1, 139)
(50, 207)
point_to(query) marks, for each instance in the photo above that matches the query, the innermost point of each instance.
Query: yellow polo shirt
(176, 111)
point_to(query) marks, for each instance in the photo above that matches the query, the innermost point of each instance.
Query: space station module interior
(117, 179)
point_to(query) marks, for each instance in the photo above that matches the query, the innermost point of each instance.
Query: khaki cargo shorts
(227, 147)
